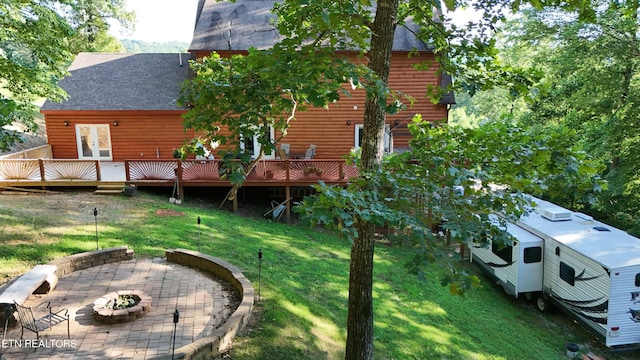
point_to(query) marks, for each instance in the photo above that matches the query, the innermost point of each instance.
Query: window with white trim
(388, 139)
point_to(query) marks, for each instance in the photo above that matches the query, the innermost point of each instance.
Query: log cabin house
(122, 107)
(119, 106)
(233, 27)
(125, 103)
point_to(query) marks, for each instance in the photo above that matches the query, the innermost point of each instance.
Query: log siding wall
(140, 133)
(137, 136)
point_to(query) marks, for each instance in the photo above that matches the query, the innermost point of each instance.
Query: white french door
(253, 145)
(94, 142)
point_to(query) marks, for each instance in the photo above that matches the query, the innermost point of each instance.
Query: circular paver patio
(204, 303)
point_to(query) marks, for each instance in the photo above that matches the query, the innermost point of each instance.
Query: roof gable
(119, 81)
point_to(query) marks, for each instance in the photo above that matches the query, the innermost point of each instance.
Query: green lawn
(304, 280)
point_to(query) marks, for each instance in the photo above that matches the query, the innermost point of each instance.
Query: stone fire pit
(121, 307)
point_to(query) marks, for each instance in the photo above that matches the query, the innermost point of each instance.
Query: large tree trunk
(360, 317)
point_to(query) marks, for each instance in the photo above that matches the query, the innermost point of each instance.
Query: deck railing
(49, 170)
(266, 171)
(189, 172)
(40, 152)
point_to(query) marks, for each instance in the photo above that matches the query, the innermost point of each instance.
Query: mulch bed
(169, 212)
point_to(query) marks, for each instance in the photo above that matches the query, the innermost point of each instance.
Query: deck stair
(110, 189)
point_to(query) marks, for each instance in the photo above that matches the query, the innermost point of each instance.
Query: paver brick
(145, 337)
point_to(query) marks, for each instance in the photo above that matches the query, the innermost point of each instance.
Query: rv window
(637, 280)
(567, 273)
(532, 254)
(506, 253)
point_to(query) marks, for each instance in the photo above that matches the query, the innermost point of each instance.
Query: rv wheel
(541, 303)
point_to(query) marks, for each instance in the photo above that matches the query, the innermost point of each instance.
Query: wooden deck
(34, 168)
(70, 172)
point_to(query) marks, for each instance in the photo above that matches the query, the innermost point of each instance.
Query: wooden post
(98, 175)
(235, 203)
(287, 195)
(126, 170)
(42, 175)
(179, 179)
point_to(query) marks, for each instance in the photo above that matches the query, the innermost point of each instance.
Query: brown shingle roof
(118, 81)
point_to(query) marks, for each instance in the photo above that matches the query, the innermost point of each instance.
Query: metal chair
(286, 148)
(29, 322)
(308, 155)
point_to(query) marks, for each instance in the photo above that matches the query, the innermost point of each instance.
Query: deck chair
(277, 209)
(29, 322)
(313, 147)
(286, 148)
(308, 155)
(283, 154)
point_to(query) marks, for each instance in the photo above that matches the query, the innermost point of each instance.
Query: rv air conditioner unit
(556, 214)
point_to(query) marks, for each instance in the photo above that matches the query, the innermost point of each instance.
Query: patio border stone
(68, 264)
(222, 337)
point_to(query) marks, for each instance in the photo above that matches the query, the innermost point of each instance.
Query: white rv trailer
(589, 269)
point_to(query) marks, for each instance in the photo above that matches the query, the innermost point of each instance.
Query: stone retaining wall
(221, 337)
(69, 264)
(85, 260)
(204, 348)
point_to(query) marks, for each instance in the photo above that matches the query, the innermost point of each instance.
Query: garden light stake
(198, 233)
(259, 271)
(176, 318)
(95, 215)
